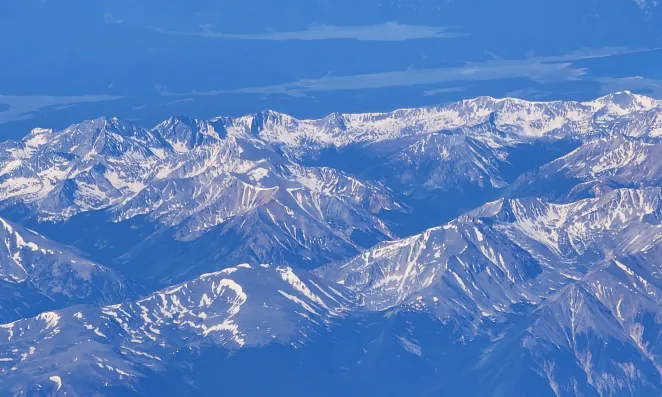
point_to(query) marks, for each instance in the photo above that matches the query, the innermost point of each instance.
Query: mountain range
(485, 247)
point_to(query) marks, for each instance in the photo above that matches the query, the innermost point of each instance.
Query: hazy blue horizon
(206, 59)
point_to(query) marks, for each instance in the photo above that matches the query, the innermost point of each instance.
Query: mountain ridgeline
(485, 247)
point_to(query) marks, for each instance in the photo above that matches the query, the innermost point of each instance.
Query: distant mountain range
(485, 247)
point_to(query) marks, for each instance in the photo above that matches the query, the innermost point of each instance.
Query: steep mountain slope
(554, 290)
(267, 185)
(34, 169)
(596, 166)
(517, 285)
(142, 190)
(85, 167)
(84, 350)
(36, 275)
(436, 157)
(598, 336)
(504, 253)
(476, 145)
(264, 207)
(418, 166)
(561, 295)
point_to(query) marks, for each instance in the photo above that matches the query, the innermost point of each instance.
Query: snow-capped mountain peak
(546, 276)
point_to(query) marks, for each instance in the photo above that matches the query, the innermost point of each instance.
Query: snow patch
(57, 380)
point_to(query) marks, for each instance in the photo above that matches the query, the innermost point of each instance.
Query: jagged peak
(334, 120)
(623, 102)
(269, 119)
(178, 119)
(185, 133)
(124, 128)
(283, 127)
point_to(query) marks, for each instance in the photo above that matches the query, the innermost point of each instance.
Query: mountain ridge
(545, 265)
